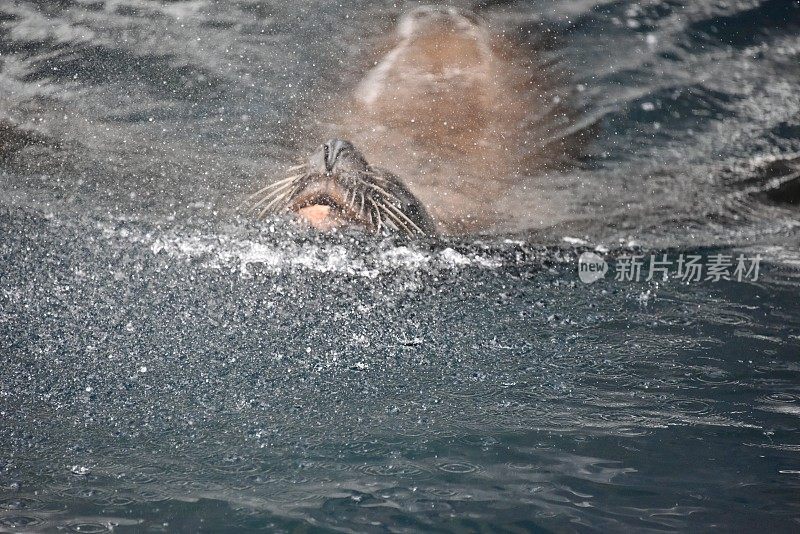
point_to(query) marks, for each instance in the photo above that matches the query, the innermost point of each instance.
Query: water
(168, 365)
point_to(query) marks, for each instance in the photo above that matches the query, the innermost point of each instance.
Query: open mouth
(324, 209)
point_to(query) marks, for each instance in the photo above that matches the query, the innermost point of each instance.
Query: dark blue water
(167, 365)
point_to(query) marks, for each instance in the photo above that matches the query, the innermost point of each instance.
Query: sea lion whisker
(377, 214)
(268, 208)
(276, 200)
(391, 225)
(400, 212)
(276, 187)
(395, 221)
(377, 177)
(383, 192)
(278, 192)
(352, 201)
(389, 219)
(389, 215)
(274, 184)
(388, 197)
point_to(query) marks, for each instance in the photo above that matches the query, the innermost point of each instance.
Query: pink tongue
(319, 216)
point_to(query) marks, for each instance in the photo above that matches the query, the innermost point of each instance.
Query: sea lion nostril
(327, 157)
(332, 150)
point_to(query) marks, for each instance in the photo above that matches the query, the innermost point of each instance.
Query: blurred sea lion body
(441, 110)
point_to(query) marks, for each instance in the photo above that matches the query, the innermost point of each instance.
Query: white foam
(239, 254)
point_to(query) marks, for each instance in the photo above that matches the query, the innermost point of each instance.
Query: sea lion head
(444, 37)
(438, 82)
(434, 19)
(336, 187)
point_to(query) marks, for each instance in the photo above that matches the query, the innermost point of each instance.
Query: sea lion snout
(337, 187)
(337, 155)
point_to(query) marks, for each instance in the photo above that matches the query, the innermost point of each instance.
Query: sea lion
(336, 187)
(443, 111)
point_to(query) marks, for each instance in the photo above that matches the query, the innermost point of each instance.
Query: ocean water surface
(169, 364)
